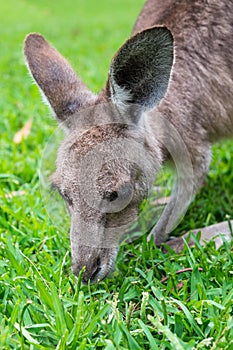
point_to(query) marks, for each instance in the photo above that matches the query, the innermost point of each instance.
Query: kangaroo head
(109, 157)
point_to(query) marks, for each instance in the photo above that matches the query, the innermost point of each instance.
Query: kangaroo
(168, 96)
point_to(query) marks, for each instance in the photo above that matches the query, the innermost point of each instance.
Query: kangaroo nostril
(96, 268)
(98, 261)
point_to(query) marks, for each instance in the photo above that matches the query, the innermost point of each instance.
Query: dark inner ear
(143, 65)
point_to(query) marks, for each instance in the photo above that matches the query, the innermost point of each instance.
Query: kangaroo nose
(98, 262)
(92, 269)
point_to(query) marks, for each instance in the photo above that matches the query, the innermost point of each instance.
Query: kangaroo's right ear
(140, 71)
(56, 78)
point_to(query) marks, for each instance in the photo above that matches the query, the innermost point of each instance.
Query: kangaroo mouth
(97, 275)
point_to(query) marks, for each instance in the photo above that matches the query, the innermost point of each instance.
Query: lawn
(42, 305)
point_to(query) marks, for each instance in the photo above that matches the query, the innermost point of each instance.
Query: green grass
(42, 305)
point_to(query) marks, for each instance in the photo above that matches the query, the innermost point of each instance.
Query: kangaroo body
(168, 96)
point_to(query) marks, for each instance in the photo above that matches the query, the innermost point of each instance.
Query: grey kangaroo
(169, 95)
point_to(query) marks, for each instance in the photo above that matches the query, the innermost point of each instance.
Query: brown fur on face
(114, 175)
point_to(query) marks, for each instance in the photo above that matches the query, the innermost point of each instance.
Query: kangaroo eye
(67, 198)
(113, 196)
(115, 201)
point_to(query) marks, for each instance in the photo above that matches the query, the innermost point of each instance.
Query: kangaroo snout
(98, 262)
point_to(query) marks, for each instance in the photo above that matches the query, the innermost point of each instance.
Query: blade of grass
(147, 332)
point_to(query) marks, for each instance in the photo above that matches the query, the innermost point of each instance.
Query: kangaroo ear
(56, 78)
(140, 71)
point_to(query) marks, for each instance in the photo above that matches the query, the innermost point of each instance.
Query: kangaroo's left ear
(140, 71)
(63, 89)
